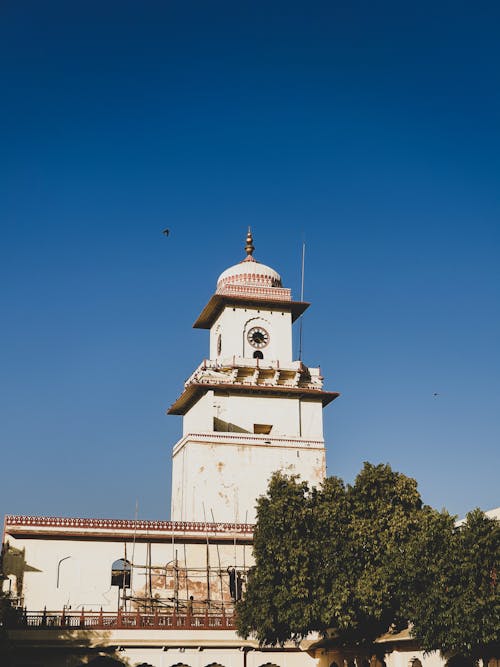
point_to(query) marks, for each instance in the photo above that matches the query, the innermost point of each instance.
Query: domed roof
(249, 272)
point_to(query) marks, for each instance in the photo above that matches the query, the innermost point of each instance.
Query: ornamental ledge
(245, 371)
(126, 524)
(214, 435)
(259, 292)
(248, 439)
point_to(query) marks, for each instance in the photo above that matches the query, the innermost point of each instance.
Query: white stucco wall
(396, 656)
(227, 657)
(226, 475)
(311, 418)
(233, 324)
(288, 416)
(404, 658)
(85, 572)
(201, 416)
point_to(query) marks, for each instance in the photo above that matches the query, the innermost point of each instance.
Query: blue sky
(369, 130)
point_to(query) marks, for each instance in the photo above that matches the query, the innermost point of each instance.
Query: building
(250, 406)
(162, 593)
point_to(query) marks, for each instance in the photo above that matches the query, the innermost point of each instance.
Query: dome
(249, 284)
(249, 272)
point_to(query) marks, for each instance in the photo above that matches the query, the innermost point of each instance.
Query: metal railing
(103, 620)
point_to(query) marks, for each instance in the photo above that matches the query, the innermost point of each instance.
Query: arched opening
(333, 664)
(120, 573)
(258, 355)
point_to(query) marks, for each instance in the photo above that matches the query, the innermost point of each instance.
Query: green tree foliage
(452, 578)
(330, 558)
(279, 601)
(6, 617)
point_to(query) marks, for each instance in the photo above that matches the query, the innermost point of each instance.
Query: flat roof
(217, 302)
(54, 527)
(194, 391)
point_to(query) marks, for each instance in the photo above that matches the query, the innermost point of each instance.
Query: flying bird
(166, 232)
(435, 393)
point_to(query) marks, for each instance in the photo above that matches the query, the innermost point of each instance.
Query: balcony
(92, 620)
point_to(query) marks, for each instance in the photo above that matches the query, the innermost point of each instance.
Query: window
(258, 355)
(263, 429)
(120, 573)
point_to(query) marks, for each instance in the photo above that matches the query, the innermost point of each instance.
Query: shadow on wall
(183, 664)
(460, 661)
(13, 564)
(107, 661)
(227, 427)
(60, 648)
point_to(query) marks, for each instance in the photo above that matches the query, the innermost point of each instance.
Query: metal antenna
(302, 297)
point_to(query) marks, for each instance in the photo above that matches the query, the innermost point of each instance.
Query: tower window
(258, 355)
(263, 429)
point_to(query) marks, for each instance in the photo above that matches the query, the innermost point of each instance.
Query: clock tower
(250, 409)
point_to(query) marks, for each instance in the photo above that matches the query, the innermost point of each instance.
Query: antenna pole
(302, 297)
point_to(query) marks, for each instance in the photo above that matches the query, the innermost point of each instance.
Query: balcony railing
(92, 620)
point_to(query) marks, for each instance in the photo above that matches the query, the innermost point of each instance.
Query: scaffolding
(177, 587)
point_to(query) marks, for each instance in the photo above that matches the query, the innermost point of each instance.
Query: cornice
(195, 390)
(122, 528)
(256, 297)
(253, 439)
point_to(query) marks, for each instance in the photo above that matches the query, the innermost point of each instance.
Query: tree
(452, 575)
(330, 558)
(278, 604)
(7, 615)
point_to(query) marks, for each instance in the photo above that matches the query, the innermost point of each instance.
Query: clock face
(258, 337)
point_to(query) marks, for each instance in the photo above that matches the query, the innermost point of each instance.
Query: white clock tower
(249, 410)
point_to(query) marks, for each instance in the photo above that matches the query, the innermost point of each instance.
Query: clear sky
(369, 130)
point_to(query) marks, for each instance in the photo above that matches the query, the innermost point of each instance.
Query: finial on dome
(249, 246)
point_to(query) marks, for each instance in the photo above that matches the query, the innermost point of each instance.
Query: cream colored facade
(64, 566)
(68, 562)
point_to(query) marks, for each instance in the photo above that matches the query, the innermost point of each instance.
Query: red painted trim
(55, 620)
(12, 520)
